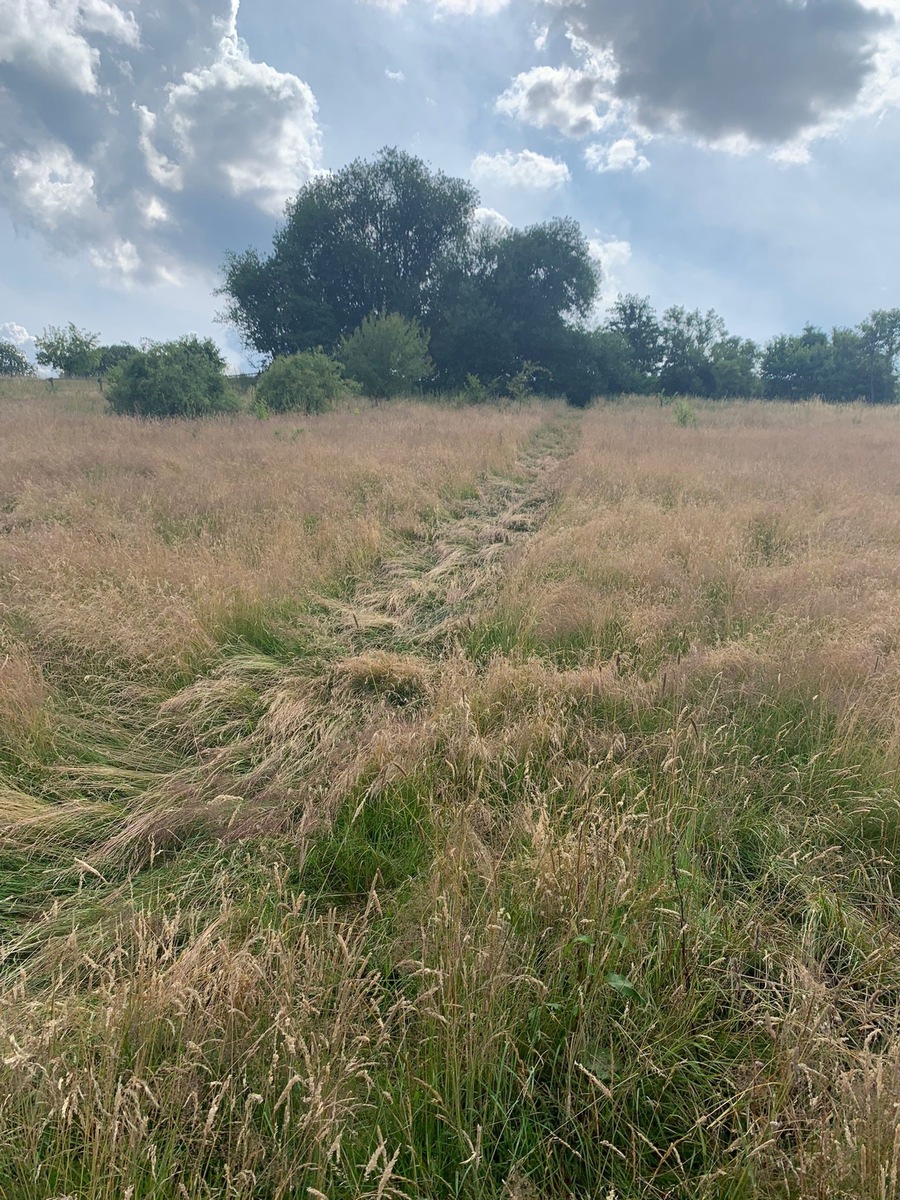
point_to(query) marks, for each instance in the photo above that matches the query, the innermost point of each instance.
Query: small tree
(388, 355)
(184, 378)
(13, 361)
(73, 352)
(309, 382)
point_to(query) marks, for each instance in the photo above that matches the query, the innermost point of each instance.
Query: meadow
(427, 802)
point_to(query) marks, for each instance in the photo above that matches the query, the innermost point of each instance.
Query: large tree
(391, 236)
(634, 319)
(374, 237)
(521, 295)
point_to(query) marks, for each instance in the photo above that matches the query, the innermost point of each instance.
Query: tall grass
(545, 847)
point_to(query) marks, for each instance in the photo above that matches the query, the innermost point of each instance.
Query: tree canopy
(13, 361)
(692, 353)
(393, 236)
(375, 236)
(71, 351)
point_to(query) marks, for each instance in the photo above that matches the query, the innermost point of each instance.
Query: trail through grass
(552, 853)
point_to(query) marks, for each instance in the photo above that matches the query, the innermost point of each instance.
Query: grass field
(428, 803)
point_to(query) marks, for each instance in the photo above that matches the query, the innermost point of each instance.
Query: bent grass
(541, 846)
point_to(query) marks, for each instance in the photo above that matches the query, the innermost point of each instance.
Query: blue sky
(740, 154)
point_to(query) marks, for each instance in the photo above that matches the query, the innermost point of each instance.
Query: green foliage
(308, 382)
(114, 356)
(688, 339)
(13, 361)
(796, 368)
(684, 412)
(525, 381)
(735, 366)
(387, 355)
(375, 236)
(184, 378)
(851, 364)
(391, 236)
(634, 320)
(74, 352)
(475, 392)
(517, 296)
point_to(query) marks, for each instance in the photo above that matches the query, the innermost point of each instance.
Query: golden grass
(538, 836)
(761, 547)
(152, 543)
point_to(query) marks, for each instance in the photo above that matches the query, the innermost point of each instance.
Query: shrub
(476, 392)
(183, 378)
(115, 356)
(388, 355)
(309, 382)
(524, 383)
(684, 412)
(13, 361)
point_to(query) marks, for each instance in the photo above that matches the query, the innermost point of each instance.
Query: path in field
(278, 742)
(423, 599)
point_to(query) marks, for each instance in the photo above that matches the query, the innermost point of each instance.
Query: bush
(476, 392)
(388, 355)
(183, 378)
(115, 356)
(13, 361)
(685, 413)
(309, 382)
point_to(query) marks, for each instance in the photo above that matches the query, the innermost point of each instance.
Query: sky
(733, 154)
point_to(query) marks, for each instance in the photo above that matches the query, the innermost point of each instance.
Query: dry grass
(762, 547)
(153, 543)
(541, 843)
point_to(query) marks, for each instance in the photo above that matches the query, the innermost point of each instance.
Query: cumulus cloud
(489, 218)
(524, 169)
(10, 331)
(575, 100)
(621, 155)
(735, 74)
(147, 136)
(613, 256)
(395, 76)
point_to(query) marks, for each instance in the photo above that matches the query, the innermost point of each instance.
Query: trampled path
(422, 599)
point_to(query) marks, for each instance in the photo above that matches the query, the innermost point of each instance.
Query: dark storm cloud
(764, 69)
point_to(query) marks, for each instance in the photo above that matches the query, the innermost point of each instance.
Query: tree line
(381, 275)
(392, 236)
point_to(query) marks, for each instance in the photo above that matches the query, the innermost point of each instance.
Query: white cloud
(489, 218)
(524, 169)
(540, 34)
(244, 126)
(10, 331)
(99, 16)
(613, 256)
(56, 188)
(148, 137)
(622, 155)
(395, 76)
(577, 102)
